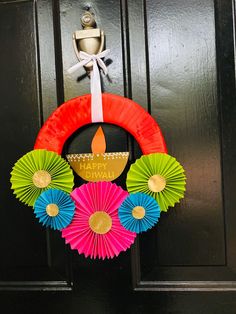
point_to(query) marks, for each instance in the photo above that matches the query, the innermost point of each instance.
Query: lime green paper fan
(38, 171)
(159, 175)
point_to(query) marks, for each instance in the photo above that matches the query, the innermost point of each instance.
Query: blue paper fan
(139, 212)
(54, 208)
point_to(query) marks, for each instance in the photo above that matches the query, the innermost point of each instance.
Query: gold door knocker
(90, 39)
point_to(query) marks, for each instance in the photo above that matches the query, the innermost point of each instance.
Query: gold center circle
(156, 183)
(100, 222)
(138, 212)
(41, 179)
(52, 210)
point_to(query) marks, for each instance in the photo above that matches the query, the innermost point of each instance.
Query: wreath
(99, 218)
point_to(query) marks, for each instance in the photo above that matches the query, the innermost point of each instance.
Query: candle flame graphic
(98, 144)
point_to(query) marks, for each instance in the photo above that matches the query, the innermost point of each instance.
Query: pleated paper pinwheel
(139, 212)
(95, 229)
(37, 171)
(159, 175)
(54, 208)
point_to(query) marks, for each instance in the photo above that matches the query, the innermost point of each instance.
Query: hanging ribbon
(95, 86)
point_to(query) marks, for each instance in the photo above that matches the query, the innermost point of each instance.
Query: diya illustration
(98, 165)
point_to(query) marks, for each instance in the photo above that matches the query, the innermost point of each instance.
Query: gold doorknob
(90, 39)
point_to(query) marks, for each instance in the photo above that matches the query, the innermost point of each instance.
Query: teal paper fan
(160, 176)
(54, 208)
(37, 171)
(139, 212)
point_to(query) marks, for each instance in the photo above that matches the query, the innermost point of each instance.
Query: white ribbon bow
(96, 93)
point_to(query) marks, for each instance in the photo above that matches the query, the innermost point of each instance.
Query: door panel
(177, 61)
(184, 99)
(19, 120)
(30, 259)
(185, 76)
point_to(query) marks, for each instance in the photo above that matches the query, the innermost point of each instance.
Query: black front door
(176, 59)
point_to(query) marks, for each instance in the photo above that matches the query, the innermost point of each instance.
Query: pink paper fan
(96, 230)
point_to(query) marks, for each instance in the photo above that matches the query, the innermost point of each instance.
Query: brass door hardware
(90, 39)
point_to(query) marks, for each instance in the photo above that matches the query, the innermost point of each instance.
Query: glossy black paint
(28, 255)
(176, 59)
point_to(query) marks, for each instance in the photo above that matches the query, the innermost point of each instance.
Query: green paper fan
(38, 171)
(159, 175)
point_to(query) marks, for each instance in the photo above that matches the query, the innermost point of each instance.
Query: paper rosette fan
(159, 175)
(95, 229)
(38, 171)
(139, 212)
(54, 208)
